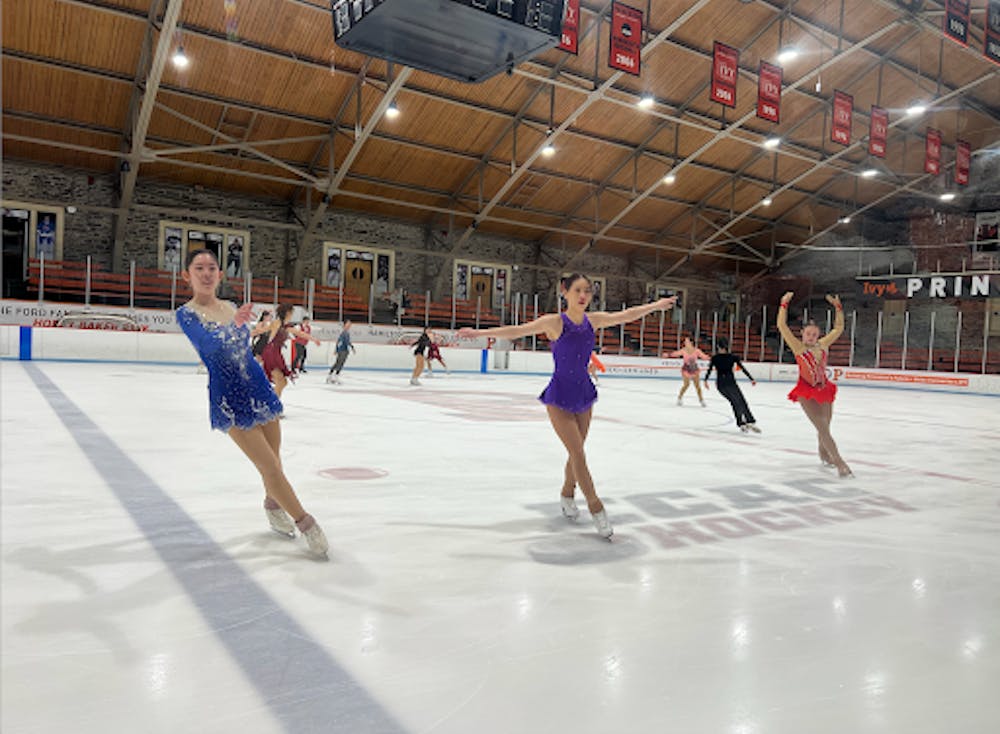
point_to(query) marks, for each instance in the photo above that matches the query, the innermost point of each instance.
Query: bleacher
(66, 281)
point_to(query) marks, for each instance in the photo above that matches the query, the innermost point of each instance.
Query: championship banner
(991, 44)
(725, 62)
(570, 39)
(932, 152)
(878, 133)
(963, 160)
(769, 92)
(843, 118)
(625, 53)
(955, 285)
(956, 20)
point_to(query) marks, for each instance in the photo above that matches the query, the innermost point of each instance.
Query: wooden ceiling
(275, 90)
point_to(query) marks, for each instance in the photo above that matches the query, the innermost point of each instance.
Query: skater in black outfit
(723, 363)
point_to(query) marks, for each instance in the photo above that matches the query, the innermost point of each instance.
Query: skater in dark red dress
(814, 392)
(434, 352)
(275, 367)
(570, 395)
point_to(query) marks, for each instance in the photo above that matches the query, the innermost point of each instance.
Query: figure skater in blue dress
(570, 395)
(242, 402)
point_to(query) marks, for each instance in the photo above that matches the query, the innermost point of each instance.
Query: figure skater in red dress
(814, 392)
(275, 366)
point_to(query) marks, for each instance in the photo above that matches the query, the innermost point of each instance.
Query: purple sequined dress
(571, 387)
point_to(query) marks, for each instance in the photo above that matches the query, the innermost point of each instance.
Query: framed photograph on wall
(231, 246)
(234, 256)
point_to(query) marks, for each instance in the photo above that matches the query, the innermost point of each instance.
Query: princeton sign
(942, 285)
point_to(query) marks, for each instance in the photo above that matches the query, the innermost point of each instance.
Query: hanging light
(772, 143)
(180, 59)
(646, 102)
(844, 220)
(869, 173)
(392, 111)
(948, 196)
(670, 179)
(916, 110)
(549, 150)
(789, 53)
(767, 200)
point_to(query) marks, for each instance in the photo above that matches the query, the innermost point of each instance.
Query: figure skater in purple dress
(570, 394)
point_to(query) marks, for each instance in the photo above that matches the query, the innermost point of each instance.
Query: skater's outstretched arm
(303, 334)
(791, 340)
(739, 363)
(602, 319)
(838, 323)
(550, 324)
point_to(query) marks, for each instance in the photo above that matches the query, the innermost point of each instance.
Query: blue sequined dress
(239, 393)
(571, 387)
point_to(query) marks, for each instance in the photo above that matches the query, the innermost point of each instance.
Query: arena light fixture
(772, 143)
(549, 150)
(767, 200)
(869, 173)
(916, 110)
(180, 58)
(392, 111)
(787, 54)
(670, 179)
(646, 102)
(844, 220)
(947, 196)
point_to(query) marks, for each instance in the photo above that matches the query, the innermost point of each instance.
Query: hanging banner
(963, 161)
(932, 152)
(570, 39)
(878, 133)
(725, 62)
(626, 39)
(769, 92)
(991, 45)
(956, 20)
(843, 117)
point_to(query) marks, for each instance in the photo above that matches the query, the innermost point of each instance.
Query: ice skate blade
(283, 534)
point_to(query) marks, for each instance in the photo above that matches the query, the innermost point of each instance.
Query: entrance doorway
(358, 278)
(14, 263)
(482, 288)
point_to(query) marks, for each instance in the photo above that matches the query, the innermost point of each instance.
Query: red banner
(956, 20)
(878, 132)
(626, 39)
(963, 161)
(932, 152)
(769, 92)
(843, 118)
(991, 46)
(570, 40)
(725, 63)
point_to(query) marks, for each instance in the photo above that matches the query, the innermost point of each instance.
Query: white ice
(461, 601)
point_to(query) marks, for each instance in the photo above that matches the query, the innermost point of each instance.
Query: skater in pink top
(689, 370)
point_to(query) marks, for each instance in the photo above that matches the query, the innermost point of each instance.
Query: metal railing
(942, 337)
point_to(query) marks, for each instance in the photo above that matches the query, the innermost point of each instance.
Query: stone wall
(276, 248)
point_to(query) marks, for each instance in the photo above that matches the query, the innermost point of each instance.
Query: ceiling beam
(175, 149)
(591, 98)
(337, 177)
(939, 102)
(727, 131)
(136, 139)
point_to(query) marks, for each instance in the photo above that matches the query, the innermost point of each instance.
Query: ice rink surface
(747, 590)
